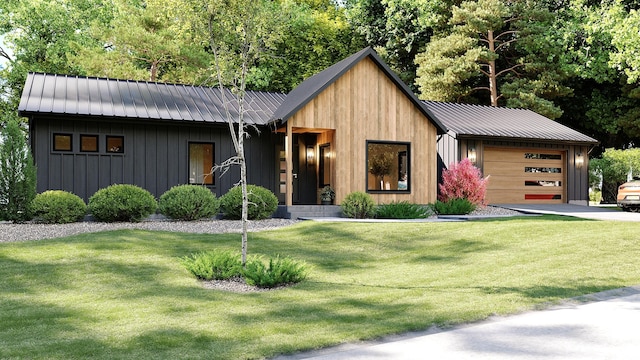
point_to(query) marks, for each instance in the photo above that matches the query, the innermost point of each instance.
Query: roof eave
(525, 139)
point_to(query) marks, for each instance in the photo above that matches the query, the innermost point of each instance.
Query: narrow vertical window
(201, 163)
(62, 142)
(115, 144)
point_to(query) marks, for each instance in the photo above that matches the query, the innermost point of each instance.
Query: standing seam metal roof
(91, 96)
(499, 122)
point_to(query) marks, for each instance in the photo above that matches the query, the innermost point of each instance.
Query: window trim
(213, 161)
(97, 137)
(53, 145)
(106, 144)
(408, 156)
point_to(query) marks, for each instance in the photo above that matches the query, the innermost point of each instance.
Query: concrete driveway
(599, 326)
(586, 212)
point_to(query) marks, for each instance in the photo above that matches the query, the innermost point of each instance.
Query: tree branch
(509, 69)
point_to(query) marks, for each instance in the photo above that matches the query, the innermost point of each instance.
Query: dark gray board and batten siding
(155, 156)
(157, 121)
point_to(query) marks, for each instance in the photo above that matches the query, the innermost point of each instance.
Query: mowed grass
(124, 294)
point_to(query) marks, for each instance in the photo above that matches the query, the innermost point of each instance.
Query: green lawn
(124, 294)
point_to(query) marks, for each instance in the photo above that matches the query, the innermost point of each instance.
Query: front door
(305, 180)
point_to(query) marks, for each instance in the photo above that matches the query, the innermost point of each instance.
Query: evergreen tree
(17, 174)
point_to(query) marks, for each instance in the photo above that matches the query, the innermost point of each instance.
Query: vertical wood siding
(365, 105)
(155, 156)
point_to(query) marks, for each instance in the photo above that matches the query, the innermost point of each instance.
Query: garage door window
(388, 167)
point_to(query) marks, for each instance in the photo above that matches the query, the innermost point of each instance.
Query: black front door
(305, 181)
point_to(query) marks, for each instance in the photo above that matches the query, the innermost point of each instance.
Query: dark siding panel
(155, 157)
(93, 176)
(150, 162)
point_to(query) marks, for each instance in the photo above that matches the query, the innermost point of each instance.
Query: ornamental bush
(358, 205)
(463, 181)
(278, 271)
(262, 203)
(58, 207)
(188, 202)
(214, 265)
(122, 202)
(402, 210)
(455, 206)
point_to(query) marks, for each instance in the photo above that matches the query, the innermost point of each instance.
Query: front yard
(123, 294)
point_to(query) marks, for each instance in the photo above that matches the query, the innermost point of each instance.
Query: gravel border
(35, 231)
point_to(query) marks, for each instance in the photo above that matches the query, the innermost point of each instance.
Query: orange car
(629, 195)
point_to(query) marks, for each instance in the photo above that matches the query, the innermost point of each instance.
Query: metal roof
(91, 96)
(498, 122)
(314, 85)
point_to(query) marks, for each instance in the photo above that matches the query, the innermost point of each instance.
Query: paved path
(586, 212)
(600, 326)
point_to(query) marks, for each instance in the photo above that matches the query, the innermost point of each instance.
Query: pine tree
(17, 174)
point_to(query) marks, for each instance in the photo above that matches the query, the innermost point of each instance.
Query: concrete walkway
(585, 212)
(599, 326)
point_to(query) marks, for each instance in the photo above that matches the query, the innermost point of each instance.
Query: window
(325, 165)
(115, 144)
(62, 142)
(200, 163)
(388, 166)
(89, 143)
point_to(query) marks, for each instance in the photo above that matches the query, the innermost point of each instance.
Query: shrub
(17, 174)
(122, 202)
(358, 205)
(402, 210)
(188, 202)
(262, 203)
(58, 207)
(279, 271)
(463, 181)
(453, 207)
(212, 265)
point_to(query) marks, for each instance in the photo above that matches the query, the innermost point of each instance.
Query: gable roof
(465, 120)
(91, 96)
(314, 85)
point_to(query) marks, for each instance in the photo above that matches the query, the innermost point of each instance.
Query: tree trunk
(493, 82)
(245, 196)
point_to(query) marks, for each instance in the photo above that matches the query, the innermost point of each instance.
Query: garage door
(524, 175)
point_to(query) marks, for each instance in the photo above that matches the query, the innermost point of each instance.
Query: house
(354, 126)
(87, 133)
(529, 158)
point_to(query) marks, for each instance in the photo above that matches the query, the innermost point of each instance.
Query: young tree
(237, 33)
(17, 174)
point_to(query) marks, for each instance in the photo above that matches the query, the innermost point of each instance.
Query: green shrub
(58, 207)
(402, 210)
(358, 205)
(453, 207)
(17, 172)
(262, 203)
(278, 271)
(122, 202)
(188, 202)
(212, 265)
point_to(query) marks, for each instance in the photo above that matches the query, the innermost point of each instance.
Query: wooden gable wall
(364, 104)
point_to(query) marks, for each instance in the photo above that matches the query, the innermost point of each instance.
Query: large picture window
(200, 163)
(388, 166)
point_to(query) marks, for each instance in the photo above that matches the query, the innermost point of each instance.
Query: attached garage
(523, 175)
(529, 158)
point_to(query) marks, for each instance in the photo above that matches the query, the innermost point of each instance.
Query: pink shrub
(463, 181)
